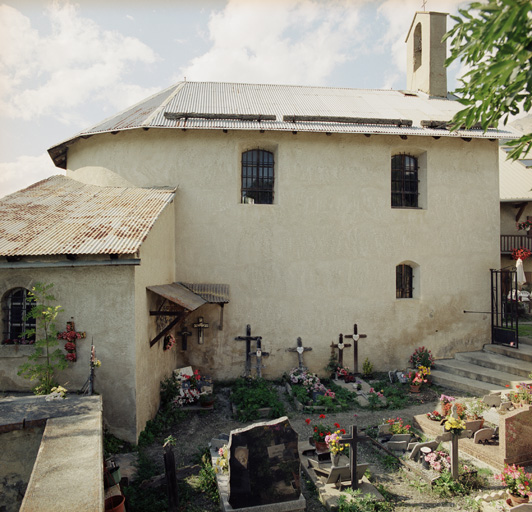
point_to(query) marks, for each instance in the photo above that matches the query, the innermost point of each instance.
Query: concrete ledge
(68, 470)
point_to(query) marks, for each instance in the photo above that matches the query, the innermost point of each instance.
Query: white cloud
(24, 171)
(52, 74)
(290, 41)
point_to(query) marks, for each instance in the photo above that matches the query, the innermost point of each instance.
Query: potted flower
(335, 447)
(526, 225)
(524, 392)
(319, 433)
(397, 426)
(342, 372)
(474, 414)
(434, 416)
(518, 482)
(416, 379)
(422, 357)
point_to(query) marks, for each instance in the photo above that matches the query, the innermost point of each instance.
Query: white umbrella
(521, 279)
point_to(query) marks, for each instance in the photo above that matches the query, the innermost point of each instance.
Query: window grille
(405, 182)
(257, 176)
(17, 304)
(403, 282)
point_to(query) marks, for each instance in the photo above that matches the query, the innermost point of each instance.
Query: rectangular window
(257, 176)
(403, 282)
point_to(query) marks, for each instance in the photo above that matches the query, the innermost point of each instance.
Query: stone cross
(352, 440)
(259, 354)
(340, 346)
(184, 335)
(200, 326)
(248, 339)
(299, 349)
(355, 337)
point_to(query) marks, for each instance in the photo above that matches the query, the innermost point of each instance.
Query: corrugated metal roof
(179, 294)
(515, 180)
(213, 98)
(60, 215)
(213, 293)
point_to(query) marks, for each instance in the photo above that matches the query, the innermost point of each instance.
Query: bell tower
(426, 54)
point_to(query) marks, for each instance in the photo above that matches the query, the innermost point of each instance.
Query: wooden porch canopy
(187, 297)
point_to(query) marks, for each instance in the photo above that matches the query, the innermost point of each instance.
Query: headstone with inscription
(264, 466)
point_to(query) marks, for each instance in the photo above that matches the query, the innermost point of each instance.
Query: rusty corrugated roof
(179, 294)
(60, 215)
(220, 105)
(213, 293)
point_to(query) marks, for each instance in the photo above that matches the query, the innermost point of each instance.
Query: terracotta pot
(115, 504)
(517, 500)
(321, 446)
(414, 389)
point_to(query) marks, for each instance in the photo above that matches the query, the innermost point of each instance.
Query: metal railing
(509, 242)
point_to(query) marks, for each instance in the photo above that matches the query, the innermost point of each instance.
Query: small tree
(45, 332)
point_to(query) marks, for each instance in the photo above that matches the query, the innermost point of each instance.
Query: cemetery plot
(255, 398)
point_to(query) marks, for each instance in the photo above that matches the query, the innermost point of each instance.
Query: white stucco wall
(101, 302)
(324, 255)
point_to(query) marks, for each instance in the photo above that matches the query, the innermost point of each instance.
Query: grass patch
(525, 330)
(250, 395)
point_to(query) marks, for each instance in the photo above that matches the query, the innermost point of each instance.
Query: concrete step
(497, 362)
(523, 353)
(464, 384)
(477, 373)
(525, 341)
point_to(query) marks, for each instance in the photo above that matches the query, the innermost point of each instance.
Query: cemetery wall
(323, 256)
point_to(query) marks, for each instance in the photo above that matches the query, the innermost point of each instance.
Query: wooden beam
(164, 331)
(165, 313)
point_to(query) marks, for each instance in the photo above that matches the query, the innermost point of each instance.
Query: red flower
(315, 429)
(307, 421)
(322, 416)
(337, 425)
(342, 430)
(507, 385)
(71, 357)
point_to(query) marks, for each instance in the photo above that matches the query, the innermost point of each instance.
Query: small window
(403, 282)
(257, 176)
(16, 305)
(405, 183)
(418, 49)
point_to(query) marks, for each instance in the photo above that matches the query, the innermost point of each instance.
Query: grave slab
(264, 466)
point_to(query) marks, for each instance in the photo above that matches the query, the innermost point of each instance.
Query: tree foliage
(495, 42)
(45, 360)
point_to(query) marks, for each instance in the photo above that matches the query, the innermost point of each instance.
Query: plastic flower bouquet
(455, 425)
(222, 462)
(335, 447)
(517, 480)
(420, 377)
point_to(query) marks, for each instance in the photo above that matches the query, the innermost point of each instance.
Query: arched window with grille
(405, 183)
(16, 305)
(404, 282)
(257, 176)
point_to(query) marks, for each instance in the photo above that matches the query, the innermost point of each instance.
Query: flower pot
(517, 500)
(414, 389)
(335, 459)
(207, 404)
(321, 446)
(115, 504)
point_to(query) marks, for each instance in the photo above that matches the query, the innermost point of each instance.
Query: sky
(66, 65)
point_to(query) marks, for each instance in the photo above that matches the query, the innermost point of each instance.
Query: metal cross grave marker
(200, 326)
(259, 354)
(184, 335)
(355, 337)
(248, 339)
(340, 346)
(299, 349)
(352, 440)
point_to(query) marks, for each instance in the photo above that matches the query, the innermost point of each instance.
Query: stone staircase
(485, 371)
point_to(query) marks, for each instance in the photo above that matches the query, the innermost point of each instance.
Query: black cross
(299, 349)
(184, 335)
(259, 354)
(352, 440)
(200, 325)
(355, 337)
(340, 346)
(248, 338)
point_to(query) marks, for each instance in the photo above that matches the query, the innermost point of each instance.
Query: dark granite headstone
(264, 464)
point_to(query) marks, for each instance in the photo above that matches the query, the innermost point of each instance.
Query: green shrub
(355, 501)
(250, 395)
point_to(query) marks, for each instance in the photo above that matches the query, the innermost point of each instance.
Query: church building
(299, 211)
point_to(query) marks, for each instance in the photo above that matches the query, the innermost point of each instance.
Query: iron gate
(504, 307)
